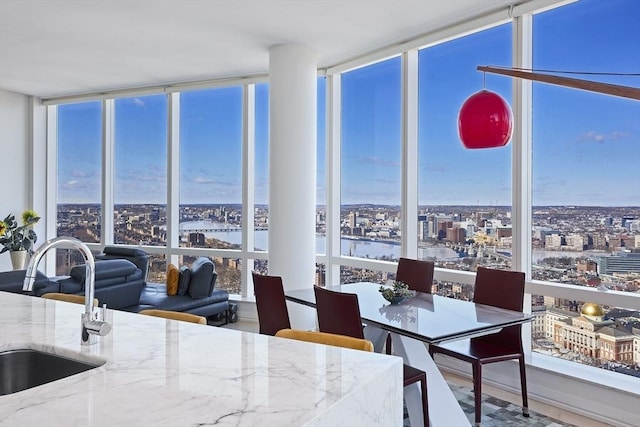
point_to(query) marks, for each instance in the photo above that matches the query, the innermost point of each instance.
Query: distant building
(553, 241)
(621, 262)
(586, 265)
(456, 235)
(196, 239)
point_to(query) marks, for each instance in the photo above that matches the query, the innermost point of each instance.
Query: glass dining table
(414, 322)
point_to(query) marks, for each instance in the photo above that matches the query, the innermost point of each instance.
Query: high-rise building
(621, 262)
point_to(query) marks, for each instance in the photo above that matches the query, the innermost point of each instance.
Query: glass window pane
(210, 168)
(586, 200)
(261, 184)
(464, 195)
(140, 188)
(371, 143)
(79, 171)
(321, 209)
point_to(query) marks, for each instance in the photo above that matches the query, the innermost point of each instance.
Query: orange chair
(76, 299)
(498, 288)
(326, 339)
(339, 313)
(270, 303)
(176, 315)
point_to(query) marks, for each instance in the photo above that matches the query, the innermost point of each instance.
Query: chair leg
(523, 387)
(425, 401)
(388, 344)
(477, 390)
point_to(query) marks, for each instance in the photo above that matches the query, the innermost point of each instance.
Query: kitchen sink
(26, 368)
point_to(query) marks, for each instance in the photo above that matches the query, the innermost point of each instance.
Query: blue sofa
(11, 281)
(120, 283)
(196, 292)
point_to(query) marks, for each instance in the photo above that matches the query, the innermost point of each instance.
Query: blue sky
(586, 146)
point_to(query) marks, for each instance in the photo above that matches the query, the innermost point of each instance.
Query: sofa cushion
(117, 250)
(12, 281)
(202, 281)
(115, 269)
(155, 296)
(173, 276)
(137, 256)
(183, 280)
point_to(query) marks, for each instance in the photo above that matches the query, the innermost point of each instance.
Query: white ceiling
(63, 47)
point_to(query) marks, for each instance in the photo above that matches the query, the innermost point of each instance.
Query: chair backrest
(326, 338)
(416, 273)
(137, 256)
(176, 315)
(76, 299)
(499, 288)
(270, 303)
(338, 313)
(504, 289)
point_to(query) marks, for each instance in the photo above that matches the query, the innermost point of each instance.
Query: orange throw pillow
(173, 275)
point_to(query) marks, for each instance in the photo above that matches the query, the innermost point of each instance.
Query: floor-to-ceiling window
(79, 172)
(261, 175)
(370, 174)
(140, 175)
(464, 195)
(211, 177)
(586, 182)
(321, 201)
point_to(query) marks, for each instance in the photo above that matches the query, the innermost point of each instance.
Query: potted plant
(18, 239)
(397, 293)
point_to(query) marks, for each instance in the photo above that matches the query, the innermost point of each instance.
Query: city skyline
(586, 146)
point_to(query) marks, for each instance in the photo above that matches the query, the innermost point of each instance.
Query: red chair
(339, 313)
(498, 288)
(416, 273)
(270, 303)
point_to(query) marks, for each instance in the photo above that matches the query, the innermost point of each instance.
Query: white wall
(15, 172)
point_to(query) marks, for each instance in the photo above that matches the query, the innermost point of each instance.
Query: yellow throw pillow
(173, 275)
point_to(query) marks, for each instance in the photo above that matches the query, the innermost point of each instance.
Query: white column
(292, 166)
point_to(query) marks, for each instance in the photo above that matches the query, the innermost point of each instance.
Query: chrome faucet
(91, 324)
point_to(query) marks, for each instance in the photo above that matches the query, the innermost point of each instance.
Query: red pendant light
(485, 121)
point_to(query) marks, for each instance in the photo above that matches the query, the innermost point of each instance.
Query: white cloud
(201, 180)
(602, 137)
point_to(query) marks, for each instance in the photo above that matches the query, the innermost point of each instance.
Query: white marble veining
(166, 373)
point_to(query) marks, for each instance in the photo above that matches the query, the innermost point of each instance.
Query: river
(364, 248)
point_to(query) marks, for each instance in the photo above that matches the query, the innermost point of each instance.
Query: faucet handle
(98, 327)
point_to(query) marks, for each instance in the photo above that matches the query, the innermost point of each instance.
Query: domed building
(592, 311)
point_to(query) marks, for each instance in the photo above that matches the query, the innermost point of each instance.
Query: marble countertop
(167, 373)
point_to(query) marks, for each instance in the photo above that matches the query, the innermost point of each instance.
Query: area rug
(496, 412)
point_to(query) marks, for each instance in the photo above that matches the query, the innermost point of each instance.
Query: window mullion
(409, 169)
(108, 172)
(173, 177)
(248, 187)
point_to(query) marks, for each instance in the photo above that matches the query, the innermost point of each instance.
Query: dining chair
(77, 299)
(339, 313)
(418, 275)
(326, 339)
(175, 315)
(503, 289)
(270, 303)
